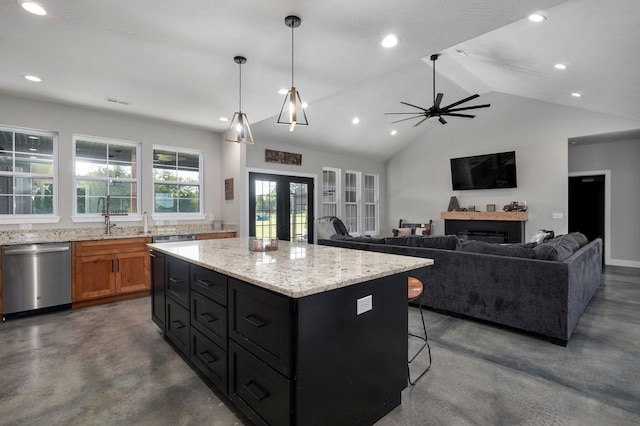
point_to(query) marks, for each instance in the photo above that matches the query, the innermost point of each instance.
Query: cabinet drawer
(261, 321)
(210, 359)
(210, 283)
(177, 325)
(210, 318)
(258, 390)
(177, 284)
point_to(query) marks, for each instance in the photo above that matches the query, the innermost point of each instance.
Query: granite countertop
(295, 269)
(97, 233)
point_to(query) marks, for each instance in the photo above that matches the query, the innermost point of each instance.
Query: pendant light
(292, 112)
(239, 130)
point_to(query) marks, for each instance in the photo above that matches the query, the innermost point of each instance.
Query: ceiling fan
(436, 110)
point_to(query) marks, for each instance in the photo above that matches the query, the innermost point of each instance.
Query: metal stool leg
(425, 344)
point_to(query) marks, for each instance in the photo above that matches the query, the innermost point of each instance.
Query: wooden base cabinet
(108, 270)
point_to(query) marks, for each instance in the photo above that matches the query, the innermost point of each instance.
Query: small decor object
(515, 206)
(491, 207)
(471, 208)
(272, 156)
(228, 189)
(454, 206)
(263, 244)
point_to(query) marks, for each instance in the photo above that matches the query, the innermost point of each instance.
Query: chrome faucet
(107, 216)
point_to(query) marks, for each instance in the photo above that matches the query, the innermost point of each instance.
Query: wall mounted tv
(484, 171)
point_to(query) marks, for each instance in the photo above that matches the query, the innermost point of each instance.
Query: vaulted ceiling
(173, 60)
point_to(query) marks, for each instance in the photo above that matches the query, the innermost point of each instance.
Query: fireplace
(492, 227)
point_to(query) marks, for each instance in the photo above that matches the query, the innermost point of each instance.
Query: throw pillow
(404, 231)
(580, 238)
(420, 231)
(558, 249)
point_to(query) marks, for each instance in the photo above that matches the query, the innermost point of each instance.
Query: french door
(281, 207)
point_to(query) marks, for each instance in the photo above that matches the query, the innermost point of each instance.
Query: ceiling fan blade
(469, 107)
(462, 101)
(405, 119)
(420, 122)
(442, 120)
(415, 106)
(436, 104)
(415, 113)
(458, 115)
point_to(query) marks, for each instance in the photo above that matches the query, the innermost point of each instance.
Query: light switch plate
(556, 215)
(364, 304)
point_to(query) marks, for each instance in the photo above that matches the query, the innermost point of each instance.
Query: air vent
(117, 101)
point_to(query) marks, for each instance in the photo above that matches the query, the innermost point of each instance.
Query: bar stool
(416, 288)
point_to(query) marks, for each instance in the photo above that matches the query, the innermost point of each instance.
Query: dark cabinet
(209, 358)
(157, 289)
(177, 325)
(177, 283)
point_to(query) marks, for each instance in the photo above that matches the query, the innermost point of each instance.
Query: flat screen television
(484, 171)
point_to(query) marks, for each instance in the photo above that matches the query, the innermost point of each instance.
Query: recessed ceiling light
(560, 66)
(389, 41)
(33, 78)
(394, 132)
(32, 7)
(355, 120)
(576, 95)
(536, 17)
(283, 91)
(223, 119)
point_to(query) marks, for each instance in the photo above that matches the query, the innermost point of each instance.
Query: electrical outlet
(364, 304)
(26, 226)
(211, 217)
(173, 222)
(159, 222)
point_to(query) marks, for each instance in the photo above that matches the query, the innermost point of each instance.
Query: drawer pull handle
(208, 317)
(177, 324)
(255, 321)
(207, 357)
(206, 283)
(176, 280)
(256, 391)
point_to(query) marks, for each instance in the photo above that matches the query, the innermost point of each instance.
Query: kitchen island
(303, 335)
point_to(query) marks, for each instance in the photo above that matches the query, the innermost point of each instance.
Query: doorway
(281, 207)
(587, 206)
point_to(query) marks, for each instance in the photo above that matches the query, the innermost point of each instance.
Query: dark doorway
(586, 206)
(281, 207)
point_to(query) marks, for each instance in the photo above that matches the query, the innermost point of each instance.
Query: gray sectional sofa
(538, 288)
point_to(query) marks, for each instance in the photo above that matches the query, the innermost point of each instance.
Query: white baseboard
(627, 263)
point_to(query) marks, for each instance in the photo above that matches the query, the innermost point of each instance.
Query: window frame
(98, 217)
(338, 190)
(357, 203)
(375, 203)
(173, 216)
(27, 219)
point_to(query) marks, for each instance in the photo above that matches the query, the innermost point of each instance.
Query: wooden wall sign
(228, 189)
(272, 156)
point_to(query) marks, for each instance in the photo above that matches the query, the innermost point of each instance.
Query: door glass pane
(298, 230)
(266, 209)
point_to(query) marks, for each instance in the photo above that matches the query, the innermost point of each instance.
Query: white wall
(69, 120)
(622, 159)
(419, 177)
(312, 163)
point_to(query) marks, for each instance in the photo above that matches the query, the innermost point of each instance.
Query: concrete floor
(109, 365)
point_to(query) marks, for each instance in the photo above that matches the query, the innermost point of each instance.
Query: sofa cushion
(445, 242)
(557, 249)
(580, 238)
(511, 250)
(369, 240)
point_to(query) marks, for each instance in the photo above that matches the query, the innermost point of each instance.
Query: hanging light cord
(292, 55)
(434, 81)
(240, 90)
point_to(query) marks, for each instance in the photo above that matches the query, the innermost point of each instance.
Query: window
(330, 192)
(352, 201)
(371, 201)
(27, 173)
(106, 168)
(177, 181)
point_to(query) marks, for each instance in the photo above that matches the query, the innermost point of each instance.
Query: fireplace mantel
(495, 227)
(511, 216)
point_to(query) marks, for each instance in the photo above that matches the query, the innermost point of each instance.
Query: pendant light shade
(239, 130)
(292, 112)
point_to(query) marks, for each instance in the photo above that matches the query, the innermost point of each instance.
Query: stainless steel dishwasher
(35, 278)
